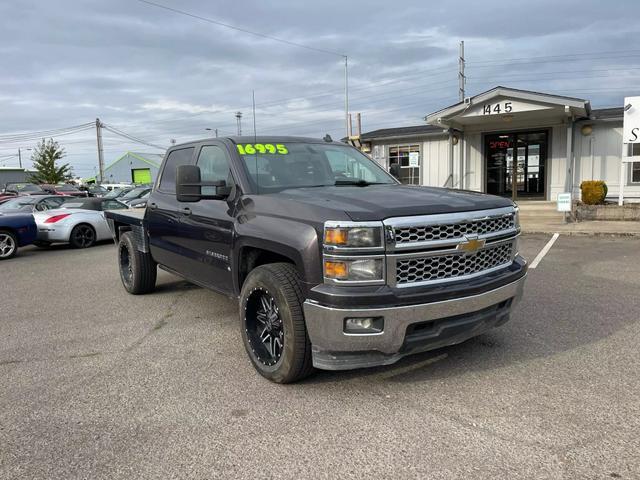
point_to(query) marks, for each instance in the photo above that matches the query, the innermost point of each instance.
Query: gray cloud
(159, 75)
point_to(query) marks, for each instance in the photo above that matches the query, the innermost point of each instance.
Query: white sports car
(78, 221)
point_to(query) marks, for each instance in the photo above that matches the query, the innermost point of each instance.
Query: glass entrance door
(516, 163)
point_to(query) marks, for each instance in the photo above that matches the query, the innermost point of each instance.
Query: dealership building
(511, 142)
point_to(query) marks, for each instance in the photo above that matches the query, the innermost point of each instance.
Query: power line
(584, 54)
(131, 137)
(240, 29)
(12, 138)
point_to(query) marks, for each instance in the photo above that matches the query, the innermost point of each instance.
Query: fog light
(364, 325)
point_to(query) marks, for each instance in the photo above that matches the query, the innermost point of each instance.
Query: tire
(272, 323)
(8, 245)
(42, 244)
(82, 236)
(138, 271)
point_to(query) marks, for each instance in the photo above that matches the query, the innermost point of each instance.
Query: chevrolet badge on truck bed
(335, 264)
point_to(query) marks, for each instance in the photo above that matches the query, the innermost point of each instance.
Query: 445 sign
(496, 108)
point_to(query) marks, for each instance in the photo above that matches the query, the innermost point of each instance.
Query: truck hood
(378, 202)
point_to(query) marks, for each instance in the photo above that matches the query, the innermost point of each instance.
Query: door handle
(186, 210)
(153, 206)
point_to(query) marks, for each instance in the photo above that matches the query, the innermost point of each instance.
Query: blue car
(16, 230)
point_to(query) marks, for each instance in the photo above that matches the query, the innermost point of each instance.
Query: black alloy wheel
(264, 327)
(126, 265)
(272, 323)
(83, 236)
(137, 269)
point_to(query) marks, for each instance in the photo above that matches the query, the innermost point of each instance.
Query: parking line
(544, 251)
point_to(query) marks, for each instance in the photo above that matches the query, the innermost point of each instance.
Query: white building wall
(435, 160)
(601, 164)
(557, 162)
(474, 163)
(598, 157)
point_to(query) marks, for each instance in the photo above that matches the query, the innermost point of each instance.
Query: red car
(64, 189)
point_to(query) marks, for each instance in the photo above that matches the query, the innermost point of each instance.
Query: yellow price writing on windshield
(253, 148)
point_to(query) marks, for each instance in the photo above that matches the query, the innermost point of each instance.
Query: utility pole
(100, 150)
(239, 120)
(19, 158)
(346, 96)
(461, 78)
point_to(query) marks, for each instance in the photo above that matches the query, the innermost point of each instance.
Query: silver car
(79, 221)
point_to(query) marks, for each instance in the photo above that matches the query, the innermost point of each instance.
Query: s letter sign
(631, 125)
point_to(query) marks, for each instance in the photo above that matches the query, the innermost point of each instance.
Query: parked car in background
(134, 194)
(114, 186)
(24, 189)
(31, 203)
(16, 230)
(79, 221)
(5, 196)
(96, 190)
(118, 192)
(64, 189)
(140, 202)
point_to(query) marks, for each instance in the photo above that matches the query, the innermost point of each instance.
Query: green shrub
(593, 192)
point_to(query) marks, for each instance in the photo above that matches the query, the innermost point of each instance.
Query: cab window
(214, 166)
(175, 158)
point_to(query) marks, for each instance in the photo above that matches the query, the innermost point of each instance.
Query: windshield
(276, 167)
(24, 187)
(66, 188)
(115, 193)
(135, 193)
(16, 203)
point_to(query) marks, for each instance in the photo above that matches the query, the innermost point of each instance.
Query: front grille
(454, 230)
(452, 266)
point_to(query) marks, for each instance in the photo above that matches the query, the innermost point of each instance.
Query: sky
(160, 76)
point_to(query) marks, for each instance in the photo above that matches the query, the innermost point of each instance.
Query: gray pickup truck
(335, 264)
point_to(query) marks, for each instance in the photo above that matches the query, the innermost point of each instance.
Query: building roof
(581, 106)
(397, 132)
(611, 113)
(153, 159)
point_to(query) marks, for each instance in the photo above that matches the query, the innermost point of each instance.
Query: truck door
(164, 214)
(208, 224)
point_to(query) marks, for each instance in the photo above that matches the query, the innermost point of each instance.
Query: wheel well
(9, 230)
(84, 223)
(251, 257)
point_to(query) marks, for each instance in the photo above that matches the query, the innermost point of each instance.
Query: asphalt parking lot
(96, 383)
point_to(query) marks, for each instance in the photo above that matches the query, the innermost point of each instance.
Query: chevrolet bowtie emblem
(471, 245)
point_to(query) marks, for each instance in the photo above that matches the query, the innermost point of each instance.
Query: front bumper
(407, 329)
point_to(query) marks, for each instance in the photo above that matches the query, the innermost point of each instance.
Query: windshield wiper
(357, 183)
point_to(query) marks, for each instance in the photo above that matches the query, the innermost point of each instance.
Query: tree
(44, 158)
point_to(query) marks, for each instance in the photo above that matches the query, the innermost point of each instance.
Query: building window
(408, 157)
(635, 166)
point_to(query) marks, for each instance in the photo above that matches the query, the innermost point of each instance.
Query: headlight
(344, 235)
(360, 270)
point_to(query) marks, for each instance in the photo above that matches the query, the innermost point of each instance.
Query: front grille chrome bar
(433, 231)
(434, 249)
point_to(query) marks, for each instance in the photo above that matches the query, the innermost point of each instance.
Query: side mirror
(189, 185)
(394, 169)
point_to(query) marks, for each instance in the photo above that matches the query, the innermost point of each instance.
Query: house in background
(511, 142)
(14, 175)
(132, 167)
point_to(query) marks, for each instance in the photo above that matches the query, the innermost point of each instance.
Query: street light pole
(215, 130)
(20, 155)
